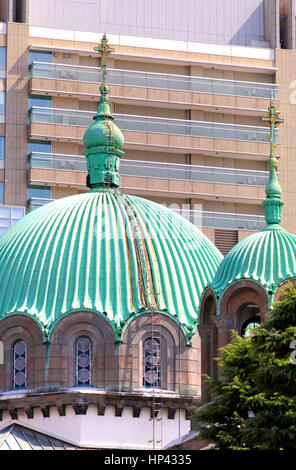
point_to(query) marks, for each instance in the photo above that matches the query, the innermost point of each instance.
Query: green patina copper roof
(83, 253)
(267, 257)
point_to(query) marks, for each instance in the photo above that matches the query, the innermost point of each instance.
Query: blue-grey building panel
(234, 22)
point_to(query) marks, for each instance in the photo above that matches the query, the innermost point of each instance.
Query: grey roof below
(181, 439)
(17, 437)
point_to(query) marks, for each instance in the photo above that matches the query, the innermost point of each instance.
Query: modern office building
(189, 84)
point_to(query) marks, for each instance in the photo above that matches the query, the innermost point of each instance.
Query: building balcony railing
(72, 117)
(199, 218)
(155, 169)
(155, 80)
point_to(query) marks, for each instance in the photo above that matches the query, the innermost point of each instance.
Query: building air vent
(225, 240)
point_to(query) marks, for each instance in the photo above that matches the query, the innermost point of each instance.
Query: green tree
(254, 405)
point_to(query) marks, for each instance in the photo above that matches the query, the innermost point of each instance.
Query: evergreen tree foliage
(254, 405)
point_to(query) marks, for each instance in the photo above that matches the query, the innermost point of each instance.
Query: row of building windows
(83, 363)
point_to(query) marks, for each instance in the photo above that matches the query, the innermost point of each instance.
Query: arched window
(249, 325)
(151, 363)
(83, 361)
(19, 368)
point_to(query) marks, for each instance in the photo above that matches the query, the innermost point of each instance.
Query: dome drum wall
(116, 367)
(103, 171)
(273, 210)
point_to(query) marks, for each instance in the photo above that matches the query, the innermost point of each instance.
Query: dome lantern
(103, 140)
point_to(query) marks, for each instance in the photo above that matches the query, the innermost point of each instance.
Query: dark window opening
(19, 11)
(283, 32)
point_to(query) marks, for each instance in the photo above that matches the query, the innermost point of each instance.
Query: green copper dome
(113, 254)
(268, 257)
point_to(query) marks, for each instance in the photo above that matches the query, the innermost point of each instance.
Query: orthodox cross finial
(104, 49)
(272, 203)
(272, 120)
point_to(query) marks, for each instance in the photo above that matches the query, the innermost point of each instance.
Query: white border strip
(153, 43)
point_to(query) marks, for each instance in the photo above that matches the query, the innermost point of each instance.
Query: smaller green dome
(103, 132)
(103, 141)
(267, 258)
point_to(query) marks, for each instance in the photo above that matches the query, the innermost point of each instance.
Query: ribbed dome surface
(267, 257)
(83, 252)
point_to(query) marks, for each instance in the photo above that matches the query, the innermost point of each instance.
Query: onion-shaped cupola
(103, 140)
(267, 257)
(105, 251)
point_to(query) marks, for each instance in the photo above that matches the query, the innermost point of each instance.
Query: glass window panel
(38, 192)
(151, 363)
(3, 57)
(2, 147)
(40, 56)
(39, 146)
(17, 213)
(4, 211)
(2, 101)
(1, 193)
(2, 230)
(2, 61)
(83, 361)
(40, 101)
(4, 223)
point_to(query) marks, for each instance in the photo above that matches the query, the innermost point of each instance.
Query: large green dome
(267, 257)
(87, 252)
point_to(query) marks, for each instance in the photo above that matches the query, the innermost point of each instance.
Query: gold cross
(104, 49)
(273, 120)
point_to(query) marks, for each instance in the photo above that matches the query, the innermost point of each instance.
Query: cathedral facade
(112, 306)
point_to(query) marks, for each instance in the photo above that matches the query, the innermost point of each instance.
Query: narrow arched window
(151, 363)
(19, 368)
(249, 326)
(83, 361)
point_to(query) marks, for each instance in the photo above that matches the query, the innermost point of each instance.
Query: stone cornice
(80, 400)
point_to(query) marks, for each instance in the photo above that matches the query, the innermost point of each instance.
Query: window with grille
(19, 377)
(83, 361)
(151, 363)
